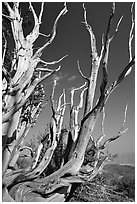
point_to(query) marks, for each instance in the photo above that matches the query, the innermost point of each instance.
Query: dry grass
(115, 184)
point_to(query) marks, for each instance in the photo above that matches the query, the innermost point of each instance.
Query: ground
(115, 184)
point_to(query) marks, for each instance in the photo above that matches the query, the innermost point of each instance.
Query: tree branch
(79, 69)
(121, 77)
(28, 92)
(95, 63)
(53, 62)
(4, 51)
(53, 34)
(119, 134)
(131, 35)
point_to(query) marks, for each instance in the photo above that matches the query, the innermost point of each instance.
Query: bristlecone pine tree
(58, 161)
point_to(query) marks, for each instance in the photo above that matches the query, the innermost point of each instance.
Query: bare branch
(75, 118)
(121, 77)
(92, 37)
(88, 122)
(79, 88)
(53, 34)
(65, 104)
(37, 155)
(120, 132)
(8, 17)
(72, 96)
(73, 91)
(44, 35)
(59, 102)
(47, 156)
(102, 124)
(8, 7)
(53, 88)
(53, 62)
(60, 117)
(116, 30)
(35, 32)
(102, 128)
(28, 92)
(85, 16)
(41, 12)
(5, 47)
(95, 63)
(80, 105)
(110, 19)
(79, 69)
(102, 48)
(106, 50)
(101, 166)
(107, 38)
(21, 135)
(43, 69)
(4, 87)
(131, 35)
(16, 25)
(124, 121)
(21, 110)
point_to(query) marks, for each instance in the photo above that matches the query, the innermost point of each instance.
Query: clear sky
(73, 39)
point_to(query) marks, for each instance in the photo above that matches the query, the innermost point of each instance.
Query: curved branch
(53, 62)
(131, 35)
(121, 77)
(79, 69)
(53, 34)
(119, 134)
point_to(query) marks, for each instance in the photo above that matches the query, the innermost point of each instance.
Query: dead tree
(22, 101)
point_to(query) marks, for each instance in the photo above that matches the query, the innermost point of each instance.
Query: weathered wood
(22, 103)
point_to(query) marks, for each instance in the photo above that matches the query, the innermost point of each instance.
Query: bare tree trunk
(23, 101)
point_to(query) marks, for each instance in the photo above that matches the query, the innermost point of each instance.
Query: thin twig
(79, 69)
(53, 62)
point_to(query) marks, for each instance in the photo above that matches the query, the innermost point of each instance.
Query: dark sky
(73, 39)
